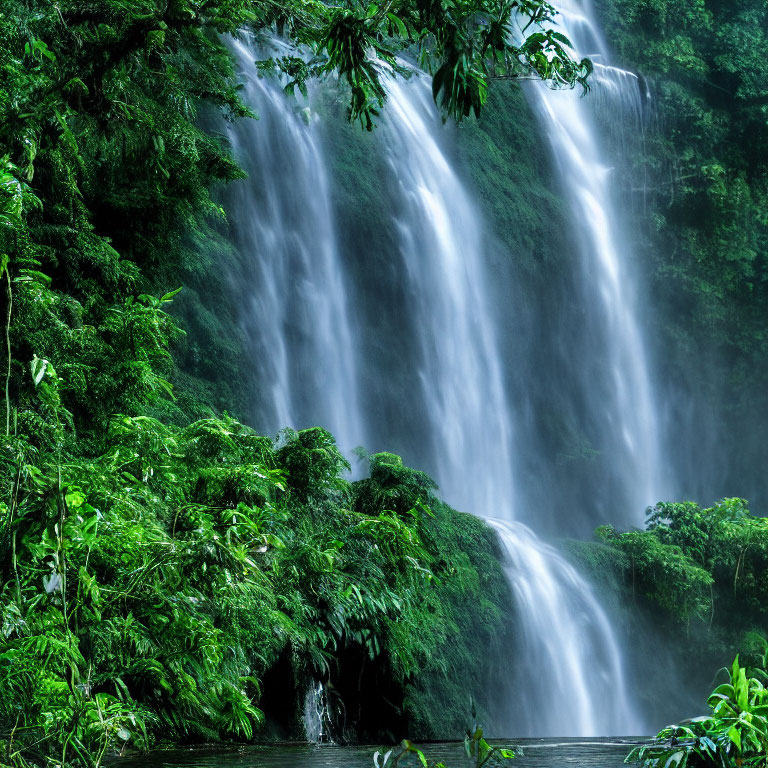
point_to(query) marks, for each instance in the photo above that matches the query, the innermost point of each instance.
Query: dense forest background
(167, 572)
(703, 210)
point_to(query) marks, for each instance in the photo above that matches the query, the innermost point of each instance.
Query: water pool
(537, 753)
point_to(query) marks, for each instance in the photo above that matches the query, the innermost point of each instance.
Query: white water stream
(441, 246)
(615, 379)
(570, 678)
(297, 316)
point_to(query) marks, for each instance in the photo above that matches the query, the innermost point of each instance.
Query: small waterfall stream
(316, 714)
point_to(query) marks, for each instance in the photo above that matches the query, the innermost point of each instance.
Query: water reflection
(537, 753)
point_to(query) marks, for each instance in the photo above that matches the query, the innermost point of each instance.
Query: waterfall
(309, 362)
(441, 246)
(569, 665)
(317, 717)
(296, 313)
(571, 678)
(614, 376)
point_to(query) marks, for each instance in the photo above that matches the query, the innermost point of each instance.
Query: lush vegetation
(694, 574)
(702, 208)
(694, 563)
(165, 571)
(149, 590)
(734, 734)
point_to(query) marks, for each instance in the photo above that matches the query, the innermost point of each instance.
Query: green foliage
(735, 734)
(662, 573)
(147, 590)
(154, 571)
(694, 580)
(475, 747)
(107, 173)
(485, 754)
(727, 541)
(464, 45)
(703, 165)
(694, 563)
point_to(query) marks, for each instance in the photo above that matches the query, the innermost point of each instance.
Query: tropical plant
(734, 734)
(148, 589)
(475, 746)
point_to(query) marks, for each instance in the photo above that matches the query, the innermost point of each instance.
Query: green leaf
(169, 296)
(39, 367)
(34, 275)
(675, 759)
(399, 25)
(560, 37)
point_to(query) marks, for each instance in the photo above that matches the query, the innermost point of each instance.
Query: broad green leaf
(168, 296)
(39, 368)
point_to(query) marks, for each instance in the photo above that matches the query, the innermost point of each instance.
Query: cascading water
(310, 363)
(571, 676)
(570, 665)
(316, 715)
(441, 244)
(297, 317)
(618, 393)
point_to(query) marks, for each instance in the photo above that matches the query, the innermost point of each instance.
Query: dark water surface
(537, 753)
